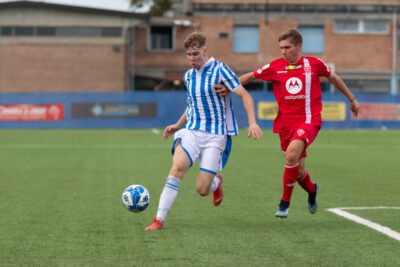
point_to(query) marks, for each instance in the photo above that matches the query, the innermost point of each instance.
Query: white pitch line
(380, 228)
(167, 144)
(368, 208)
(249, 146)
(85, 146)
(155, 131)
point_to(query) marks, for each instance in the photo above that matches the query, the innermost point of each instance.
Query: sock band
(173, 182)
(291, 166)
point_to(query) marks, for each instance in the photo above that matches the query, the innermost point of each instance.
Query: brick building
(52, 48)
(358, 38)
(59, 48)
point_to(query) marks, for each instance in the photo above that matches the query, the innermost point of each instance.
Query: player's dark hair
(292, 35)
(195, 39)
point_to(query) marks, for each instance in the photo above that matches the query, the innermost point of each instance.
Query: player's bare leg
(210, 183)
(294, 151)
(180, 163)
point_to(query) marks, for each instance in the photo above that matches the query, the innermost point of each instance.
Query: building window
(24, 31)
(61, 31)
(223, 35)
(79, 31)
(313, 39)
(46, 31)
(245, 39)
(5, 31)
(111, 31)
(375, 26)
(161, 38)
(361, 26)
(346, 26)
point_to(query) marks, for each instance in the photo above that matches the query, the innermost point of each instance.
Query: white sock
(214, 185)
(167, 197)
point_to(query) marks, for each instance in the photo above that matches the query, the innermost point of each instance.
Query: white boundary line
(85, 146)
(166, 144)
(155, 131)
(380, 228)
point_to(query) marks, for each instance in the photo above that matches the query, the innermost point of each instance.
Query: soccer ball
(136, 198)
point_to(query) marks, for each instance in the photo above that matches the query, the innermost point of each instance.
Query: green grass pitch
(60, 202)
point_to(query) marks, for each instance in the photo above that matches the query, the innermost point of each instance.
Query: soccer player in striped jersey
(210, 123)
(296, 85)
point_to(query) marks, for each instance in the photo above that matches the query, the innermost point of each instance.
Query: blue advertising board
(158, 109)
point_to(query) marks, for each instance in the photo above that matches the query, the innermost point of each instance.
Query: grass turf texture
(60, 202)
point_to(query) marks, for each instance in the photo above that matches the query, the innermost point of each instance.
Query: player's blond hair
(195, 39)
(292, 35)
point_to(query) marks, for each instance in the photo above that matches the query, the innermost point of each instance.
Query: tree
(158, 8)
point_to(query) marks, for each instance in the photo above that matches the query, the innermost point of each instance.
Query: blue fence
(133, 110)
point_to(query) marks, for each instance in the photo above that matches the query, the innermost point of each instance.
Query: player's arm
(171, 129)
(254, 129)
(342, 87)
(244, 79)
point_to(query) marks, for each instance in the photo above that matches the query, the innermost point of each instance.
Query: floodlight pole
(394, 77)
(1, 33)
(131, 60)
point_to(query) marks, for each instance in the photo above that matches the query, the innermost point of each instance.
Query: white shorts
(212, 149)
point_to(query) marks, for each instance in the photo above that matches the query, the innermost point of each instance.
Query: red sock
(307, 184)
(289, 180)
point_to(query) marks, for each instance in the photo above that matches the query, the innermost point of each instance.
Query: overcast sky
(120, 5)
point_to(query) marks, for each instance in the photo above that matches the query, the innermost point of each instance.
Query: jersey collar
(293, 66)
(300, 61)
(208, 63)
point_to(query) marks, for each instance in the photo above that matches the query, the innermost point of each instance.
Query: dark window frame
(159, 36)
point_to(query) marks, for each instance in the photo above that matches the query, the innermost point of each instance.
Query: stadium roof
(71, 5)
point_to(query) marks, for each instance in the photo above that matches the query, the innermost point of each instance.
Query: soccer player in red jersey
(296, 85)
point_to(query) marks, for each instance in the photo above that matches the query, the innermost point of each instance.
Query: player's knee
(177, 171)
(291, 158)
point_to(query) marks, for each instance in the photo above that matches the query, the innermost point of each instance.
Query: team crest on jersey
(294, 85)
(307, 69)
(300, 132)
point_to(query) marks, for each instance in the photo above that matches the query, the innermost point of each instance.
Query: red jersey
(297, 90)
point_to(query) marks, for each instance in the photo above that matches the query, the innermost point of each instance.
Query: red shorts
(306, 132)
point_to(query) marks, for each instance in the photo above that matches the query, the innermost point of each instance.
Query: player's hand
(255, 131)
(170, 130)
(354, 106)
(221, 89)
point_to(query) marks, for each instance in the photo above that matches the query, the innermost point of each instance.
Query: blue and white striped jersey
(206, 110)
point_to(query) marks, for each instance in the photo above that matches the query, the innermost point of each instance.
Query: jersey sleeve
(229, 78)
(323, 69)
(264, 73)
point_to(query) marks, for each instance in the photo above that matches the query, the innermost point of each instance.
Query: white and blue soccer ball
(136, 198)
